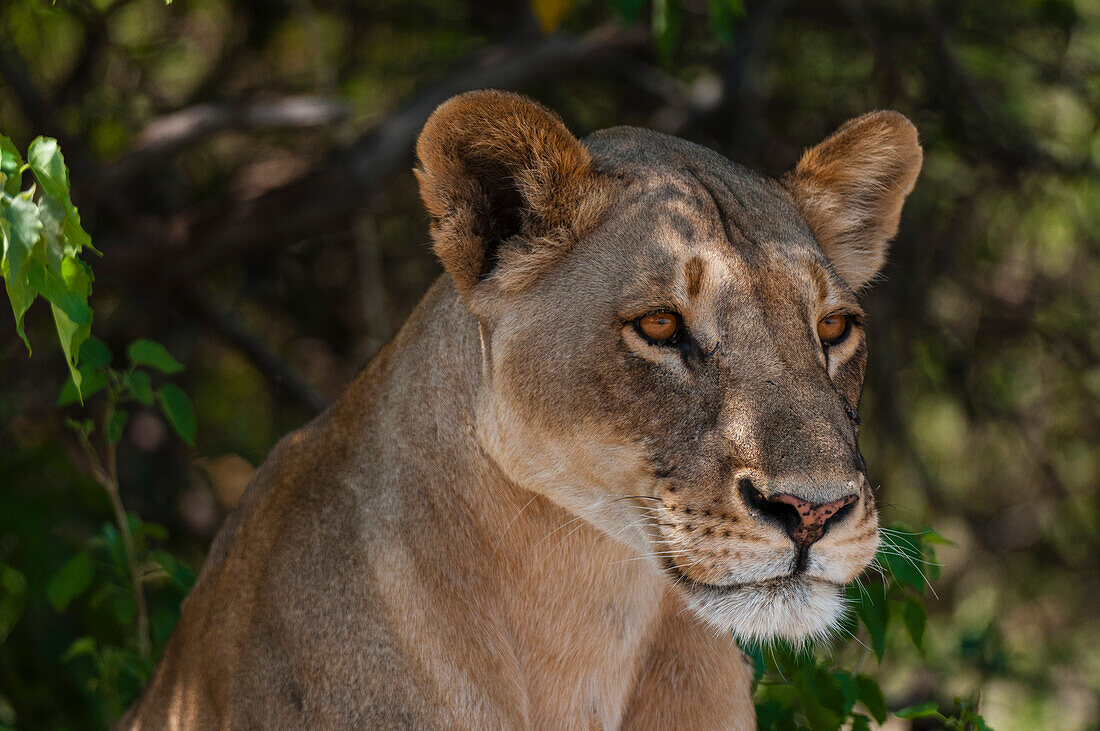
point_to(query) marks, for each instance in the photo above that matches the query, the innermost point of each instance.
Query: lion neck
(510, 558)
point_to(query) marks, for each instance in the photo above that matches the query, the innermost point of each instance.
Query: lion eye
(832, 328)
(659, 327)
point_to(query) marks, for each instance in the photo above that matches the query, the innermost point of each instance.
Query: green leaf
(48, 165)
(931, 536)
(52, 214)
(67, 292)
(91, 383)
(180, 573)
(921, 710)
(848, 686)
(20, 227)
(95, 356)
(177, 408)
(860, 722)
(153, 354)
(116, 425)
(95, 353)
(912, 612)
(71, 580)
(10, 164)
(829, 690)
(71, 335)
(817, 714)
(874, 609)
(140, 385)
(13, 598)
(79, 648)
(775, 706)
(871, 696)
(903, 556)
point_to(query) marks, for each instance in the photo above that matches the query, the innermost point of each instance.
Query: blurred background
(245, 167)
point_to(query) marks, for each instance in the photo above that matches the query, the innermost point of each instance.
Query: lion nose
(805, 521)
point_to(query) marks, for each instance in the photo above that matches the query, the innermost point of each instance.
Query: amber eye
(659, 326)
(832, 328)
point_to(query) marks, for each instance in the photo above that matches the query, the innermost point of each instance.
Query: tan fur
(522, 514)
(851, 188)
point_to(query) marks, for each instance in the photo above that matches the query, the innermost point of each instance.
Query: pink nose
(810, 518)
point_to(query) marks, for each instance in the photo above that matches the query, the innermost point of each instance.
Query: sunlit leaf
(72, 336)
(20, 227)
(48, 165)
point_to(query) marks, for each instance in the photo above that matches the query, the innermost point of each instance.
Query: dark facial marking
(693, 273)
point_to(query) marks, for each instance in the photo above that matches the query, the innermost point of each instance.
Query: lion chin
(798, 609)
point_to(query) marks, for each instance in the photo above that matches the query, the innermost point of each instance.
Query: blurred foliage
(245, 165)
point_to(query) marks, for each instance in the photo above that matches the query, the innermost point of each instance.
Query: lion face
(673, 349)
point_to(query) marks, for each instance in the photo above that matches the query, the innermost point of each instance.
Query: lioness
(622, 426)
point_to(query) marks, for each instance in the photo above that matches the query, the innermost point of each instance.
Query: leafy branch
(42, 241)
(131, 385)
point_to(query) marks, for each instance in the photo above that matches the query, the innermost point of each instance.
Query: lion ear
(506, 184)
(851, 188)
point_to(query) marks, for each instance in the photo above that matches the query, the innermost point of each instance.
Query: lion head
(673, 349)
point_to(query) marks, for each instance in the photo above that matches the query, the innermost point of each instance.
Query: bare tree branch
(349, 174)
(173, 132)
(282, 377)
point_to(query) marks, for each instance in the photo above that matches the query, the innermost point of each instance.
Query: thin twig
(107, 477)
(279, 373)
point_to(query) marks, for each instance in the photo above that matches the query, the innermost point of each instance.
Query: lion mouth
(794, 606)
(796, 575)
